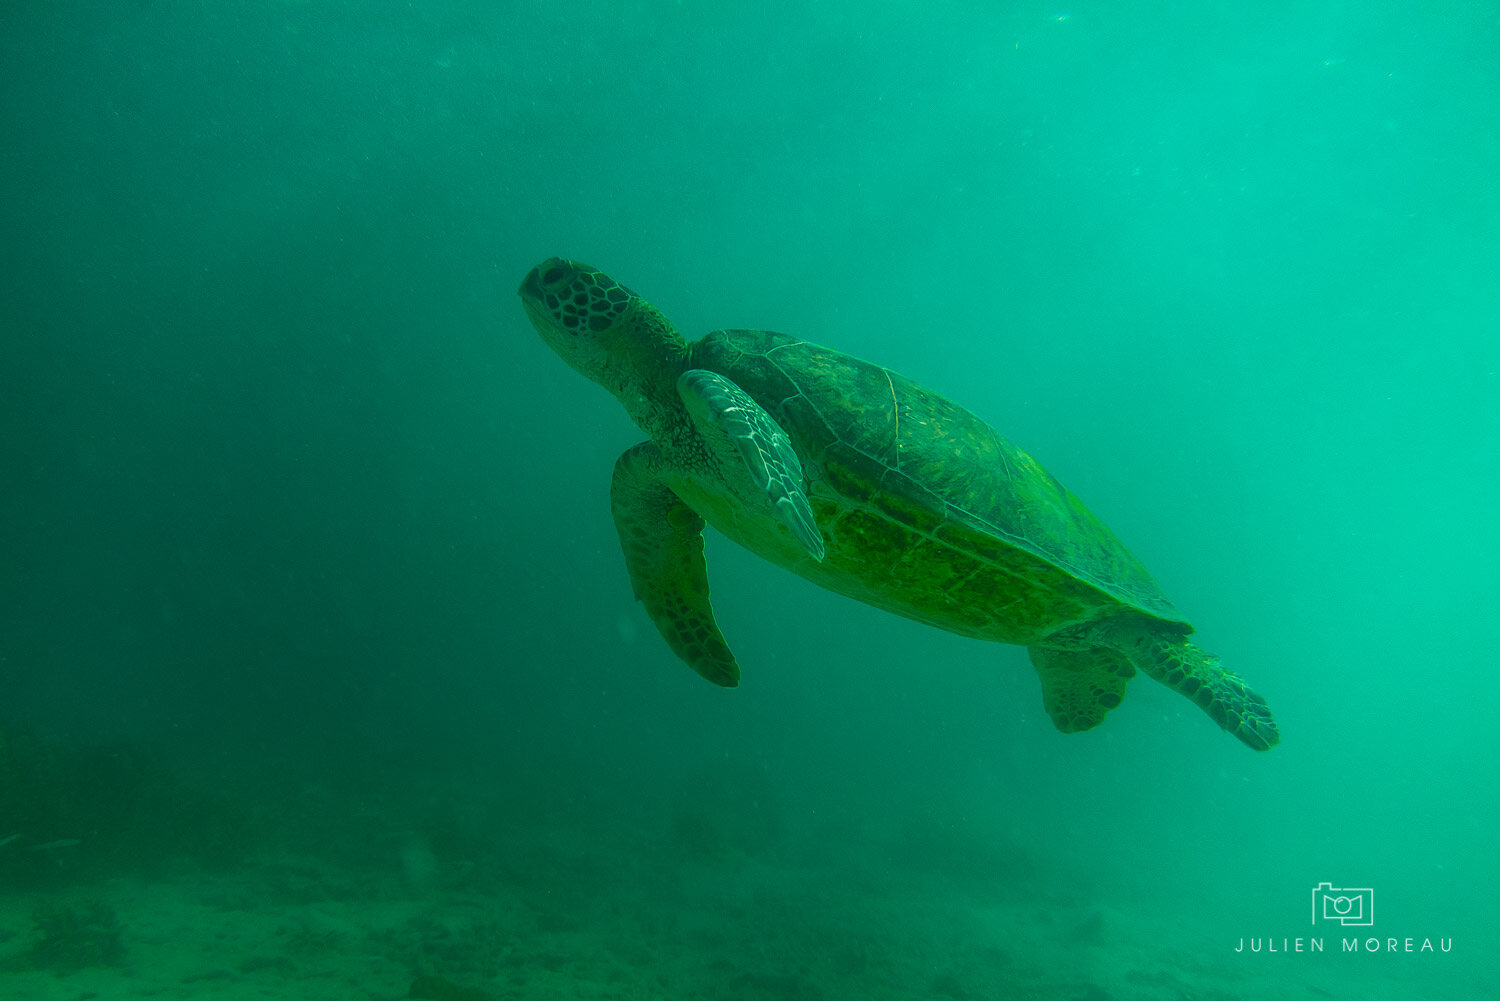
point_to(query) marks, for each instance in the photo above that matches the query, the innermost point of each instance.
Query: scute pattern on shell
(896, 467)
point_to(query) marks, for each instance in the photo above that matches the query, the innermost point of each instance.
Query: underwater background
(320, 673)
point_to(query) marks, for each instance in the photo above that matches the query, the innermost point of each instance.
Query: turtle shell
(927, 510)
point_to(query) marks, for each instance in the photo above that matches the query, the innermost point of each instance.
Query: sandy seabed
(563, 913)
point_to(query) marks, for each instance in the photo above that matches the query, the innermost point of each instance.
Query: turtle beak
(554, 271)
(531, 285)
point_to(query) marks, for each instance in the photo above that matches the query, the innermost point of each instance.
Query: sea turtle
(867, 484)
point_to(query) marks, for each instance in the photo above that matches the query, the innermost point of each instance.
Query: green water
(315, 638)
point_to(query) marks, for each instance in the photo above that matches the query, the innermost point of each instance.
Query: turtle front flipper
(663, 542)
(755, 455)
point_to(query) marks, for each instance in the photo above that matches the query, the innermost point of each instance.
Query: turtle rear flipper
(1080, 687)
(755, 456)
(663, 542)
(1195, 674)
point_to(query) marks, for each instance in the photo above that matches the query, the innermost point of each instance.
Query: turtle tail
(1198, 675)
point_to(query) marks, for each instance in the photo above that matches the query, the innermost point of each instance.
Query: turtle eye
(553, 275)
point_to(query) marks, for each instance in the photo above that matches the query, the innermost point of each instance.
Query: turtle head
(605, 331)
(572, 305)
